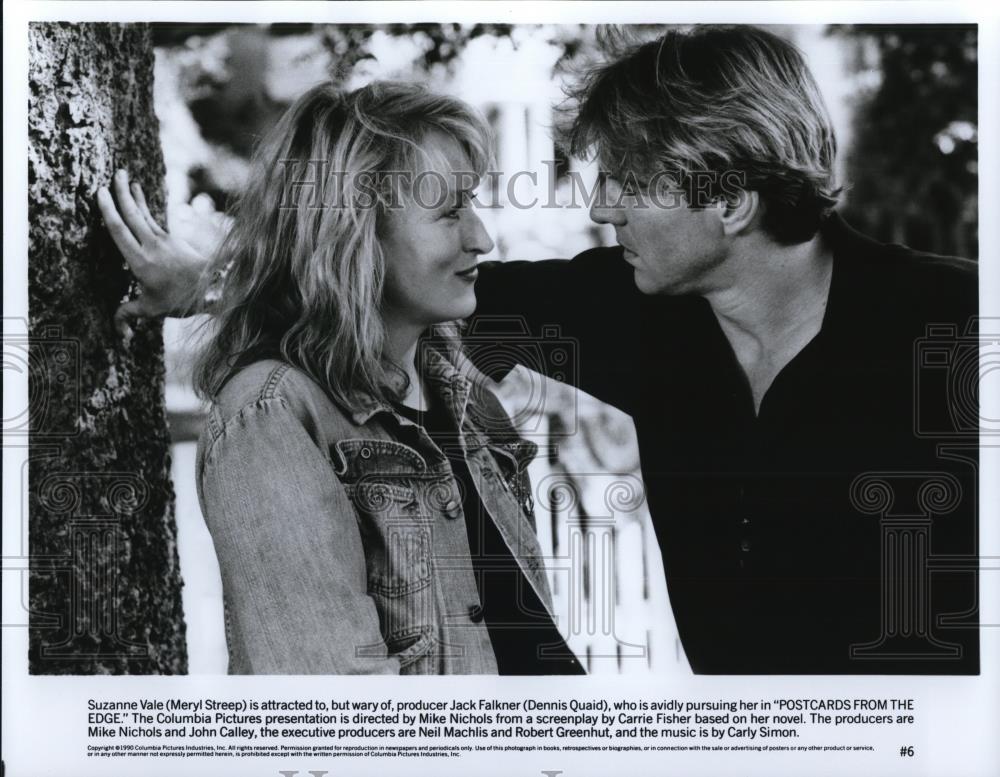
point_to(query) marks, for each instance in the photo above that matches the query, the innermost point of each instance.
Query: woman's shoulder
(268, 382)
(269, 399)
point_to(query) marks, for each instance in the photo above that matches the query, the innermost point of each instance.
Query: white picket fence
(604, 564)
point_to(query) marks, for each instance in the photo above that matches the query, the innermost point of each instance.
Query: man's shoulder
(602, 263)
(926, 267)
(935, 285)
(924, 282)
(599, 254)
(569, 291)
(595, 254)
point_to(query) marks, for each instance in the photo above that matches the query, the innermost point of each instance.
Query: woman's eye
(467, 198)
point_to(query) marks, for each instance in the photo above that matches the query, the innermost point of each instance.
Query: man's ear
(739, 212)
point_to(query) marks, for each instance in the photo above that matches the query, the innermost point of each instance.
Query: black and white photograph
(652, 345)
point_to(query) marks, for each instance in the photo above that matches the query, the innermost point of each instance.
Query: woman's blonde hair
(303, 268)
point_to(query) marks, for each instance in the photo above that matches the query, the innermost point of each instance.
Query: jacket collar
(439, 370)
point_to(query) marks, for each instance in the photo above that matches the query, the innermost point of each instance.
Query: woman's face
(432, 242)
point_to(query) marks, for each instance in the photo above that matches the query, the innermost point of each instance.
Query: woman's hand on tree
(167, 266)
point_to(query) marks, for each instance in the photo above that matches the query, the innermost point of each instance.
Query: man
(767, 355)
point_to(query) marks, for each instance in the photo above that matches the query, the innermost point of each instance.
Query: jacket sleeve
(290, 551)
(577, 321)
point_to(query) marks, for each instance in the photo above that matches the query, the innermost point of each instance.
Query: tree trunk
(105, 582)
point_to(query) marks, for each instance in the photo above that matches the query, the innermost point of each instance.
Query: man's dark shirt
(830, 533)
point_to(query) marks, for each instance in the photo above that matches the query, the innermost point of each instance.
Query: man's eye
(454, 213)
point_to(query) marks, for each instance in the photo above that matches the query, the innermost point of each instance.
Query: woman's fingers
(130, 212)
(167, 267)
(140, 199)
(119, 231)
(127, 311)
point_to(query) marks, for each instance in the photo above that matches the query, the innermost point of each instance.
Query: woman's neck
(401, 349)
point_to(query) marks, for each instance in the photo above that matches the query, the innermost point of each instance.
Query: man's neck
(771, 304)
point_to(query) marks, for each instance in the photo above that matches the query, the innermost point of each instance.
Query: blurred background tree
(912, 165)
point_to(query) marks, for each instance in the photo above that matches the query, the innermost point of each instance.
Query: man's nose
(606, 207)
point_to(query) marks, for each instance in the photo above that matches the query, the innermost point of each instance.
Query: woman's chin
(452, 313)
(466, 306)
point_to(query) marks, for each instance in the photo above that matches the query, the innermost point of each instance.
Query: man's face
(675, 249)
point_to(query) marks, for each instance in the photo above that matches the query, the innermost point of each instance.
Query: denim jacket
(340, 535)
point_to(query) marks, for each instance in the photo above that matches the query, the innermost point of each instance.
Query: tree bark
(105, 581)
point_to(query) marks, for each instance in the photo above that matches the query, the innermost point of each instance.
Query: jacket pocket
(401, 560)
(378, 494)
(381, 478)
(357, 457)
(400, 580)
(410, 646)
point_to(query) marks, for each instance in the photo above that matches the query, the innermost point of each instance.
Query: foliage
(912, 168)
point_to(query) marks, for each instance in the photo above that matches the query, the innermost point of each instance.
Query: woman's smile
(469, 274)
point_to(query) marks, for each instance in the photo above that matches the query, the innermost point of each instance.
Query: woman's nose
(477, 239)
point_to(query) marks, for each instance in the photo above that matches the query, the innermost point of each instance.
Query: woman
(368, 501)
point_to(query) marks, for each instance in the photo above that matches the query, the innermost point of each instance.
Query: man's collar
(850, 304)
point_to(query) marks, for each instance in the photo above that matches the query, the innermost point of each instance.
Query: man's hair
(714, 104)
(303, 266)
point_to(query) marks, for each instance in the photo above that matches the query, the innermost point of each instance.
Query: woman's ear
(739, 212)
